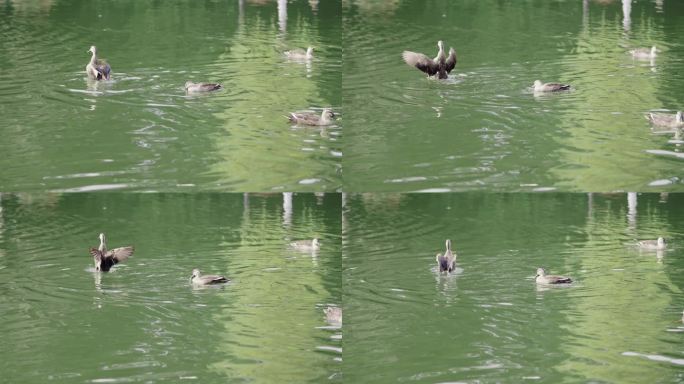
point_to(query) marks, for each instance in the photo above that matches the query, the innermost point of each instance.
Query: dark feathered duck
(198, 279)
(191, 87)
(311, 118)
(440, 66)
(446, 262)
(549, 87)
(543, 278)
(97, 69)
(106, 259)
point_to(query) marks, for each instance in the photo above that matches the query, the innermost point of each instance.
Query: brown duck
(97, 69)
(440, 65)
(106, 259)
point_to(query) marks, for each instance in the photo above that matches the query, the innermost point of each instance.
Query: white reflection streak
(282, 15)
(245, 207)
(659, 6)
(585, 13)
(631, 211)
(287, 209)
(626, 12)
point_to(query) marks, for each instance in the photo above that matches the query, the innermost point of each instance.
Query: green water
(222, 182)
(140, 131)
(483, 129)
(143, 321)
(619, 322)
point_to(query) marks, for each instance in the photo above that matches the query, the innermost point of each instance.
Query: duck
(441, 65)
(333, 315)
(549, 87)
(300, 54)
(198, 279)
(106, 259)
(446, 262)
(543, 278)
(191, 87)
(666, 119)
(306, 245)
(644, 53)
(310, 118)
(97, 69)
(652, 244)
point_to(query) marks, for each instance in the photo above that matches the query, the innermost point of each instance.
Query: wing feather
(420, 61)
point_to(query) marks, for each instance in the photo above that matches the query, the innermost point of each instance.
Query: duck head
(448, 245)
(93, 49)
(540, 272)
(653, 50)
(195, 274)
(679, 118)
(661, 242)
(309, 51)
(315, 242)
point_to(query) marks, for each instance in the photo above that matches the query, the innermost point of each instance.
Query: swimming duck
(300, 54)
(644, 53)
(97, 69)
(446, 262)
(652, 244)
(441, 65)
(311, 118)
(549, 87)
(543, 278)
(191, 87)
(666, 119)
(104, 259)
(198, 279)
(333, 315)
(306, 245)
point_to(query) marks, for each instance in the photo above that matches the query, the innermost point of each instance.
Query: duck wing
(103, 69)
(421, 62)
(119, 254)
(213, 279)
(450, 61)
(559, 279)
(444, 263)
(554, 87)
(207, 87)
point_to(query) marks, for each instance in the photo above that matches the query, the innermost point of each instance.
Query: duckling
(97, 69)
(549, 87)
(104, 259)
(198, 279)
(333, 315)
(644, 53)
(441, 65)
(306, 245)
(666, 119)
(300, 54)
(652, 244)
(191, 87)
(543, 278)
(309, 118)
(446, 262)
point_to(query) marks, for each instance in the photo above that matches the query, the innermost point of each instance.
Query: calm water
(143, 322)
(483, 129)
(620, 322)
(140, 131)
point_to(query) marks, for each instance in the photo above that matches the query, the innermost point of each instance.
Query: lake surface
(143, 321)
(483, 128)
(619, 322)
(140, 131)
